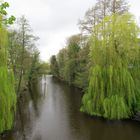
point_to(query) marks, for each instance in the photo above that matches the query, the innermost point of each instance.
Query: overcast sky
(53, 21)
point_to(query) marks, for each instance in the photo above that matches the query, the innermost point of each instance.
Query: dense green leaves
(71, 63)
(7, 87)
(4, 13)
(7, 99)
(54, 66)
(112, 89)
(112, 57)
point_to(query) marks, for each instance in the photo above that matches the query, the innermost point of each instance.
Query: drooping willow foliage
(113, 88)
(7, 91)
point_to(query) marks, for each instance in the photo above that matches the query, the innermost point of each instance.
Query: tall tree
(101, 9)
(73, 62)
(83, 66)
(89, 21)
(24, 26)
(26, 42)
(113, 90)
(62, 58)
(54, 66)
(14, 51)
(7, 91)
(72, 59)
(33, 71)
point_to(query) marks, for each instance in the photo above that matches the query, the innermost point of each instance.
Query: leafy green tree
(44, 68)
(21, 51)
(62, 58)
(14, 50)
(24, 39)
(113, 84)
(54, 66)
(33, 74)
(72, 60)
(83, 65)
(7, 89)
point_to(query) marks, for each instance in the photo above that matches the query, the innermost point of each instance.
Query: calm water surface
(50, 111)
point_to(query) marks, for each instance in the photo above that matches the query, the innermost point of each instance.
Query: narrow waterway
(50, 111)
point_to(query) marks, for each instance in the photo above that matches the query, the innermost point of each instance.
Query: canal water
(50, 111)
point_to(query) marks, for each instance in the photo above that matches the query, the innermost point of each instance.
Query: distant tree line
(72, 63)
(104, 61)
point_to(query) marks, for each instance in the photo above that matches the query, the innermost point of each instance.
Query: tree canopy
(112, 90)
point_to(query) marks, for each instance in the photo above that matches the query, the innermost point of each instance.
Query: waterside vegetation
(103, 60)
(19, 63)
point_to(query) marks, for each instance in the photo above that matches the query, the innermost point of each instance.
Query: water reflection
(51, 112)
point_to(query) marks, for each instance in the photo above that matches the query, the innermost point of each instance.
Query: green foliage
(37, 68)
(62, 59)
(112, 90)
(3, 44)
(72, 63)
(7, 91)
(116, 107)
(11, 20)
(3, 6)
(4, 13)
(23, 54)
(66, 64)
(82, 73)
(72, 58)
(44, 68)
(7, 99)
(54, 66)
(70, 70)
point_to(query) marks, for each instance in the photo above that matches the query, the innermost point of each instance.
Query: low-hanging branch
(113, 86)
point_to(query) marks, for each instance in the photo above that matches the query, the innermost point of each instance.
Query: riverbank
(29, 93)
(136, 117)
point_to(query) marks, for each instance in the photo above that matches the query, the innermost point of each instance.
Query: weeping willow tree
(7, 91)
(114, 76)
